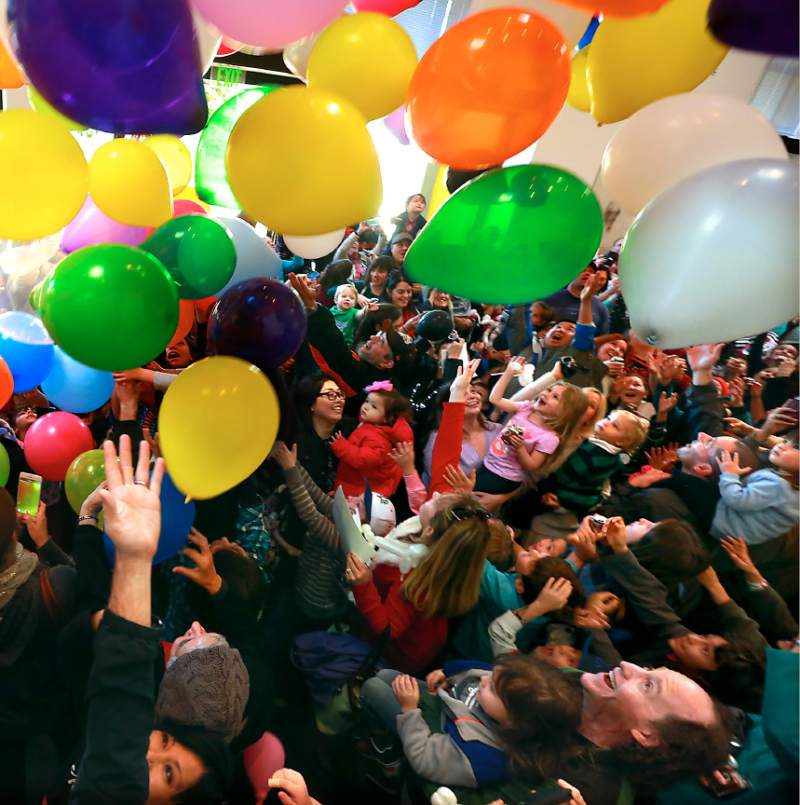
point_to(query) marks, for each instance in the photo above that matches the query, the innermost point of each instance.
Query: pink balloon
(53, 442)
(390, 7)
(396, 123)
(91, 226)
(269, 23)
(261, 760)
(185, 206)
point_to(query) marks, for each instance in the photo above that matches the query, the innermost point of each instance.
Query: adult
(375, 279)
(412, 220)
(398, 248)
(567, 301)
(361, 247)
(400, 292)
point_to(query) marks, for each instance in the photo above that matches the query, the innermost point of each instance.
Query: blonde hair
(602, 408)
(565, 424)
(447, 582)
(636, 432)
(344, 287)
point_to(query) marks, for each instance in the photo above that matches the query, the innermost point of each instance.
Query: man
(567, 301)
(398, 247)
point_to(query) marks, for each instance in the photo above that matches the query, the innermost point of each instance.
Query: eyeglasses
(332, 396)
(461, 514)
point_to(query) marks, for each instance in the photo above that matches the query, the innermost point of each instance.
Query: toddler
(345, 311)
(365, 455)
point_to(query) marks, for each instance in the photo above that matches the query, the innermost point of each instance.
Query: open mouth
(609, 679)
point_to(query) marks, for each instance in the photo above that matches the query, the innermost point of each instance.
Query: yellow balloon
(635, 61)
(129, 184)
(302, 161)
(367, 58)
(212, 391)
(578, 96)
(175, 157)
(440, 193)
(44, 175)
(41, 105)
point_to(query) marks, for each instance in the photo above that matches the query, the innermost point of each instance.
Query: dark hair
(548, 312)
(739, 677)
(305, 396)
(672, 552)
(373, 319)
(747, 457)
(414, 195)
(395, 405)
(544, 709)
(382, 264)
(552, 567)
(687, 749)
(334, 274)
(395, 278)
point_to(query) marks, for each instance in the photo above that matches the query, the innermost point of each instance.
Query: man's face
(582, 278)
(376, 350)
(195, 637)
(560, 334)
(697, 651)
(399, 251)
(698, 457)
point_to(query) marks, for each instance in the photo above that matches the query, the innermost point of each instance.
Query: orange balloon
(617, 8)
(185, 320)
(490, 87)
(6, 383)
(10, 75)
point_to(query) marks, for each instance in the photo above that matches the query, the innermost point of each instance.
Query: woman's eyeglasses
(460, 513)
(332, 396)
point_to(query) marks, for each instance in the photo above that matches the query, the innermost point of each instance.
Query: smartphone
(725, 782)
(794, 404)
(29, 492)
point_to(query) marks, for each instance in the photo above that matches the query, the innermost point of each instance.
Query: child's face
(346, 299)
(633, 390)
(548, 402)
(490, 701)
(558, 656)
(635, 531)
(615, 430)
(785, 457)
(550, 547)
(372, 410)
(537, 319)
(415, 204)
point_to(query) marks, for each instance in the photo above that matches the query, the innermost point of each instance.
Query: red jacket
(365, 457)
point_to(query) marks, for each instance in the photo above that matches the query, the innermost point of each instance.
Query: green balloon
(5, 466)
(509, 236)
(197, 251)
(84, 475)
(110, 306)
(210, 177)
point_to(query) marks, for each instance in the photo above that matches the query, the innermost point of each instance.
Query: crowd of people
(562, 565)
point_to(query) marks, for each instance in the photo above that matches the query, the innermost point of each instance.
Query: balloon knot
(652, 339)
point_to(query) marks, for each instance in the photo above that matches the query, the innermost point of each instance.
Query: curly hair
(739, 678)
(552, 567)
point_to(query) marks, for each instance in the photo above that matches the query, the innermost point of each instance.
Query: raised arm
(513, 368)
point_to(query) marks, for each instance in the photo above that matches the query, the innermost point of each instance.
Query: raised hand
(403, 454)
(285, 458)
(37, 525)
(737, 549)
(304, 292)
(204, 573)
(615, 535)
(463, 379)
(728, 462)
(663, 458)
(703, 356)
(454, 476)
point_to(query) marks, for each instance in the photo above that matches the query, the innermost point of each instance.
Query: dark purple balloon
(766, 26)
(259, 320)
(123, 66)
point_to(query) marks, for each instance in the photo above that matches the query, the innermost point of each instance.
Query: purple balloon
(92, 226)
(396, 123)
(259, 320)
(766, 26)
(124, 66)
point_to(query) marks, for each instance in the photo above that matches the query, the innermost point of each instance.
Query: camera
(597, 523)
(510, 432)
(568, 366)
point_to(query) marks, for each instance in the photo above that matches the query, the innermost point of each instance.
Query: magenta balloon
(185, 206)
(390, 7)
(396, 123)
(91, 226)
(269, 23)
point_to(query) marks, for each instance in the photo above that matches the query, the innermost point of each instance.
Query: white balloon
(571, 22)
(208, 39)
(714, 258)
(312, 246)
(678, 136)
(295, 55)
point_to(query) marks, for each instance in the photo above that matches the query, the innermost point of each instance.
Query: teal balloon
(198, 252)
(509, 236)
(210, 178)
(5, 466)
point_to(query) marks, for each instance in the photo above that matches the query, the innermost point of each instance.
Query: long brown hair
(565, 424)
(447, 581)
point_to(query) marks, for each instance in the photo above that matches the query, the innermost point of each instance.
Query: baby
(345, 311)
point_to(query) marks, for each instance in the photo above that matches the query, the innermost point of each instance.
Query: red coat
(365, 457)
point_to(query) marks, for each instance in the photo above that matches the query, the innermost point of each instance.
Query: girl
(412, 220)
(520, 717)
(364, 457)
(532, 435)
(631, 395)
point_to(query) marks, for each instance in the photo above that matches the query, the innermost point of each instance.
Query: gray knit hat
(207, 687)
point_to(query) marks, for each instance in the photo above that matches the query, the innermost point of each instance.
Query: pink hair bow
(379, 385)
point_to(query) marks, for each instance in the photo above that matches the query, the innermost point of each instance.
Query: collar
(609, 448)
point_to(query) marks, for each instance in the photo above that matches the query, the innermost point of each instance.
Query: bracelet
(757, 586)
(82, 517)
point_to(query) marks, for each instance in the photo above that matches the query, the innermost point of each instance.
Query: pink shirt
(502, 460)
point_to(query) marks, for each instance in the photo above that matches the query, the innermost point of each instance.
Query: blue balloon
(75, 387)
(177, 518)
(589, 33)
(254, 258)
(26, 347)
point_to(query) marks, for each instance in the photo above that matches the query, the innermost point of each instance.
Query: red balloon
(185, 320)
(6, 383)
(389, 7)
(53, 442)
(185, 206)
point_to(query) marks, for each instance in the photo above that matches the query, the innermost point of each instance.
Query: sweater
(758, 507)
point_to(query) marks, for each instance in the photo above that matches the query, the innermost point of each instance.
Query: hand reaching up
(463, 379)
(403, 454)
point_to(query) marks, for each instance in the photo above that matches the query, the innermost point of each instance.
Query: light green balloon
(5, 466)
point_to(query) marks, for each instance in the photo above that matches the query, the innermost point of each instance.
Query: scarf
(13, 577)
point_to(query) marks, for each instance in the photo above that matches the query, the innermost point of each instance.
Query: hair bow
(379, 385)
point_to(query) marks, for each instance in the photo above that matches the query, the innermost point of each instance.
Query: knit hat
(207, 687)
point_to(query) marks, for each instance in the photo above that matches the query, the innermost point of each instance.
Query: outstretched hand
(204, 573)
(463, 379)
(728, 462)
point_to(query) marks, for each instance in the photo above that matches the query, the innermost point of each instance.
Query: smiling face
(399, 250)
(173, 768)
(346, 297)
(178, 354)
(550, 547)
(697, 651)
(633, 391)
(439, 299)
(376, 350)
(477, 395)
(612, 349)
(560, 334)
(329, 404)
(400, 295)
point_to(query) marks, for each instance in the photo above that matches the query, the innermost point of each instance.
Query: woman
(412, 220)
(376, 278)
(400, 291)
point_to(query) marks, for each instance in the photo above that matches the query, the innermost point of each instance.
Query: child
(632, 393)
(345, 312)
(532, 434)
(519, 718)
(577, 484)
(363, 457)
(760, 506)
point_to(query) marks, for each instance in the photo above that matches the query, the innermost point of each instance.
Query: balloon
(313, 246)
(578, 96)
(678, 136)
(367, 58)
(129, 67)
(84, 475)
(617, 8)
(274, 173)
(488, 88)
(571, 22)
(174, 156)
(92, 226)
(208, 40)
(536, 225)
(455, 178)
(186, 318)
(10, 75)
(440, 193)
(185, 206)
(254, 257)
(41, 105)
(111, 307)
(269, 23)
(129, 184)
(633, 62)
(390, 7)
(714, 257)
(45, 178)
(54, 441)
(396, 123)
(74, 387)
(210, 177)
(6, 384)
(755, 25)
(260, 321)
(295, 54)
(177, 519)
(210, 392)
(435, 325)
(26, 348)
(588, 34)
(227, 47)
(5, 461)
(197, 251)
